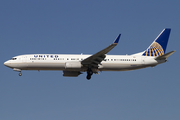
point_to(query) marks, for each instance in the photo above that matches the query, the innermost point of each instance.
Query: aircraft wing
(97, 58)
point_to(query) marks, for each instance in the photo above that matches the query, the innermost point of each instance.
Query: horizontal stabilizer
(165, 56)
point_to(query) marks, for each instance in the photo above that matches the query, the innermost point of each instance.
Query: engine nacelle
(71, 65)
(71, 73)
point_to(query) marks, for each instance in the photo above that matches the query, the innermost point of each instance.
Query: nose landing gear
(20, 74)
(18, 70)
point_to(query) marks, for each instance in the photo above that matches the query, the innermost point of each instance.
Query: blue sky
(42, 26)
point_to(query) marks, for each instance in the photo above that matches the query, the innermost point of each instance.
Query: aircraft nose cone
(7, 63)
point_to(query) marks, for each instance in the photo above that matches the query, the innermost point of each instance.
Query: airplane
(73, 65)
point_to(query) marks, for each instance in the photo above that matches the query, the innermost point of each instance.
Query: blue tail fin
(158, 47)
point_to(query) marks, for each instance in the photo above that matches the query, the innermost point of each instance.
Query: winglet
(117, 39)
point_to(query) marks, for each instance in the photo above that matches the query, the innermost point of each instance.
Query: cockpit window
(13, 58)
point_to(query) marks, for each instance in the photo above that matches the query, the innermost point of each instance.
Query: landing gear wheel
(88, 77)
(20, 74)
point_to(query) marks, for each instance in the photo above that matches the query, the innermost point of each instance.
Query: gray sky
(74, 27)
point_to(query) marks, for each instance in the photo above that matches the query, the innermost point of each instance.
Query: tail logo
(154, 50)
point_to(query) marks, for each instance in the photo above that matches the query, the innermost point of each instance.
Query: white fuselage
(66, 62)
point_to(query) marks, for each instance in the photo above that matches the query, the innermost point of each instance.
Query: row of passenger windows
(82, 59)
(68, 59)
(58, 58)
(119, 59)
(104, 59)
(37, 58)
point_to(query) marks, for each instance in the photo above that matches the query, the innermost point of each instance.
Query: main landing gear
(89, 73)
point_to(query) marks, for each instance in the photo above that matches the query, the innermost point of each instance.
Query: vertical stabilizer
(158, 47)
